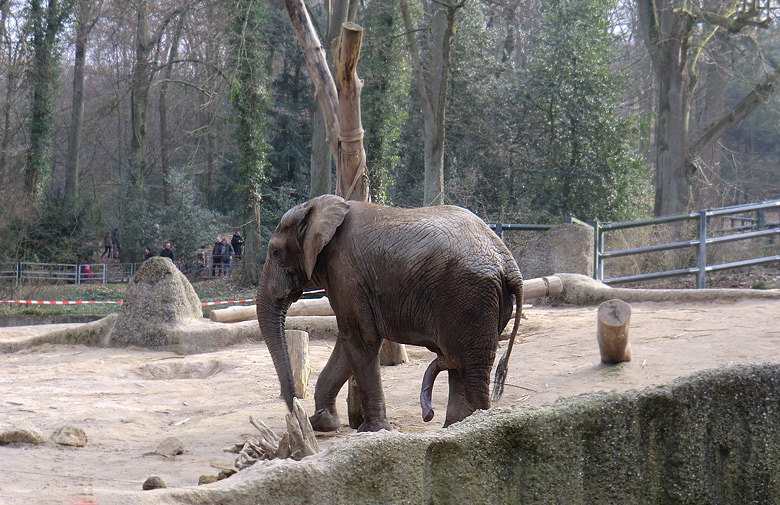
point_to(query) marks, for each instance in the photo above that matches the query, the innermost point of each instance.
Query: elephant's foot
(323, 420)
(375, 425)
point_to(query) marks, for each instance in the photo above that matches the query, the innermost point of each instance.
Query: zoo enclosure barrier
(741, 228)
(25, 272)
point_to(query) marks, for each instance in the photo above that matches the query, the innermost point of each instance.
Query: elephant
(436, 277)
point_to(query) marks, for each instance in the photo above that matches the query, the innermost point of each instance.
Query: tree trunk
(352, 182)
(139, 89)
(674, 48)
(339, 12)
(433, 95)
(77, 108)
(46, 26)
(320, 155)
(165, 164)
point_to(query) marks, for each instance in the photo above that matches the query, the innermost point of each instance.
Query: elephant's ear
(325, 214)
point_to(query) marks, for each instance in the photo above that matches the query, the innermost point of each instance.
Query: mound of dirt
(158, 298)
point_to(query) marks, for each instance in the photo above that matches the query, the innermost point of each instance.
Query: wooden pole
(298, 348)
(612, 331)
(352, 182)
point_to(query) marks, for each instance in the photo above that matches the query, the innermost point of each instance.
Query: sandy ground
(129, 400)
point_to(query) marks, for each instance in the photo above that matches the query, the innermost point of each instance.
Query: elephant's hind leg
(469, 386)
(332, 378)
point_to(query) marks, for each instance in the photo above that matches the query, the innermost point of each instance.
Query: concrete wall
(713, 438)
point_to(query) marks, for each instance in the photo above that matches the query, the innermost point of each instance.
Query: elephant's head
(292, 254)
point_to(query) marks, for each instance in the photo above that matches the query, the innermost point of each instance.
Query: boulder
(70, 435)
(23, 433)
(157, 301)
(566, 248)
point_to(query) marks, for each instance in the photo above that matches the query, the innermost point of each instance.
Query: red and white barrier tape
(57, 302)
(84, 302)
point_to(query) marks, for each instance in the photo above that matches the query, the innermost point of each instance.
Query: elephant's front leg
(332, 378)
(364, 361)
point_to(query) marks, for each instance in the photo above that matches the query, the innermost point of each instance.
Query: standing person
(115, 240)
(87, 274)
(167, 252)
(227, 255)
(238, 245)
(200, 259)
(216, 257)
(107, 244)
(148, 253)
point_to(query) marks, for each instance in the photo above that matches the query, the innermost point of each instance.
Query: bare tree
(433, 90)
(87, 14)
(339, 12)
(675, 34)
(339, 98)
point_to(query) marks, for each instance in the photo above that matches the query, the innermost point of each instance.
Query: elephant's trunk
(271, 316)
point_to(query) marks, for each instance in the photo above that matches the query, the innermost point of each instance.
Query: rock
(23, 433)
(68, 434)
(207, 479)
(567, 248)
(153, 482)
(226, 472)
(157, 301)
(170, 447)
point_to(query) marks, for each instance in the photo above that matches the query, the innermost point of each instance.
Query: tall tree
(165, 162)
(675, 33)
(87, 14)
(586, 165)
(13, 64)
(46, 24)
(433, 90)
(141, 82)
(250, 104)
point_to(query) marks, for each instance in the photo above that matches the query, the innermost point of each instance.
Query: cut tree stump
(392, 353)
(612, 331)
(298, 348)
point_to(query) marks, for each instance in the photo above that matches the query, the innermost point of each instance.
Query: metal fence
(742, 228)
(24, 273)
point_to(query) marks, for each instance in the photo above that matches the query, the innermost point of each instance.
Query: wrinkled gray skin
(436, 277)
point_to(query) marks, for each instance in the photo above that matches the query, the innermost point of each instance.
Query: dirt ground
(129, 400)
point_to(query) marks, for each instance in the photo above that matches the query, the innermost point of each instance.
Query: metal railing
(500, 228)
(21, 273)
(761, 229)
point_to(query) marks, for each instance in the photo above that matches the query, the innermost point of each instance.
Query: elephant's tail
(516, 283)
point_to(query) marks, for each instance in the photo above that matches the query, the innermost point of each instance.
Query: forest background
(181, 120)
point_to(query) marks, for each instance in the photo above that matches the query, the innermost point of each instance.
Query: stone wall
(712, 438)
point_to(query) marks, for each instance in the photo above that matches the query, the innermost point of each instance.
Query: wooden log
(302, 440)
(612, 331)
(298, 348)
(540, 287)
(532, 288)
(305, 307)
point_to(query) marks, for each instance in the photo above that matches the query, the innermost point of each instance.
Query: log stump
(612, 331)
(392, 353)
(298, 348)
